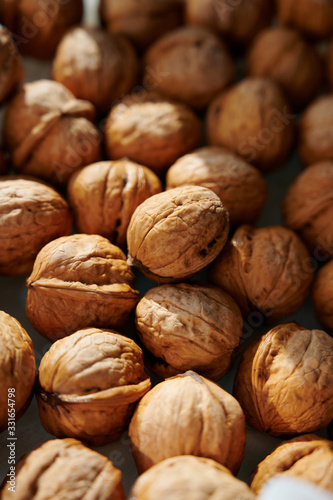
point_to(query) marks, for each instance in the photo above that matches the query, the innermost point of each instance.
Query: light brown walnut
(312, 17)
(322, 296)
(11, 65)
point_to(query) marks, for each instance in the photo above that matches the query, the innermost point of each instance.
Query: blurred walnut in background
(11, 65)
(312, 17)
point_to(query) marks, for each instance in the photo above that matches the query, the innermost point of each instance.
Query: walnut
(88, 384)
(189, 477)
(267, 270)
(31, 215)
(312, 17)
(190, 64)
(11, 65)
(187, 415)
(241, 187)
(285, 381)
(322, 296)
(17, 369)
(65, 468)
(252, 118)
(104, 196)
(49, 133)
(175, 234)
(151, 130)
(95, 66)
(79, 281)
(189, 327)
(307, 457)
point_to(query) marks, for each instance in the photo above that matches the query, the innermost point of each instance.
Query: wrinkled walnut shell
(11, 65)
(322, 296)
(312, 17)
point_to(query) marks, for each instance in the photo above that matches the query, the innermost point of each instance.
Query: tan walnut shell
(188, 415)
(11, 65)
(175, 234)
(322, 296)
(312, 17)
(308, 457)
(241, 187)
(189, 327)
(104, 195)
(79, 281)
(31, 215)
(49, 133)
(188, 477)
(65, 468)
(285, 381)
(264, 269)
(17, 368)
(88, 384)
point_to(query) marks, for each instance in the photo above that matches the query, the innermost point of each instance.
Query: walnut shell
(308, 457)
(285, 381)
(65, 468)
(175, 234)
(95, 66)
(312, 17)
(49, 133)
(17, 368)
(11, 65)
(252, 118)
(104, 196)
(189, 477)
(241, 187)
(151, 130)
(267, 269)
(190, 65)
(31, 215)
(79, 281)
(322, 296)
(189, 327)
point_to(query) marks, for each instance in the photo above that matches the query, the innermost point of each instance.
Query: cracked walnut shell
(11, 65)
(322, 296)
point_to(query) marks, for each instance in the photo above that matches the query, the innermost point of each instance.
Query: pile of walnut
(114, 146)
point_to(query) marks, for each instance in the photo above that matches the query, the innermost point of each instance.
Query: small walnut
(285, 381)
(312, 17)
(267, 269)
(189, 477)
(308, 457)
(190, 64)
(175, 234)
(188, 415)
(322, 296)
(17, 369)
(241, 187)
(49, 133)
(104, 196)
(11, 65)
(79, 281)
(189, 327)
(252, 118)
(65, 468)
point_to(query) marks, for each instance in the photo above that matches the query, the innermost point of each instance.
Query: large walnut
(189, 327)
(266, 269)
(104, 196)
(31, 215)
(175, 234)
(241, 187)
(63, 469)
(313, 17)
(285, 381)
(187, 415)
(322, 296)
(79, 281)
(11, 65)
(49, 133)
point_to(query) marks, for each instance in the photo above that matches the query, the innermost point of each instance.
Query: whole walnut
(190, 65)
(189, 477)
(284, 56)
(95, 66)
(308, 207)
(150, 130)
(264, 269)
(322, 296)
(104, 195)
(49, 133)
(88, 384)
(79, 281)
(65, 468)
(285, 381)
(31, 215)
(241, 187)
(174, 234)
(188, 415)
(17, 370)
(308, 457)
(312, 17)
(39, 24)
(11, 65)
(189, 327)
(252, 118)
